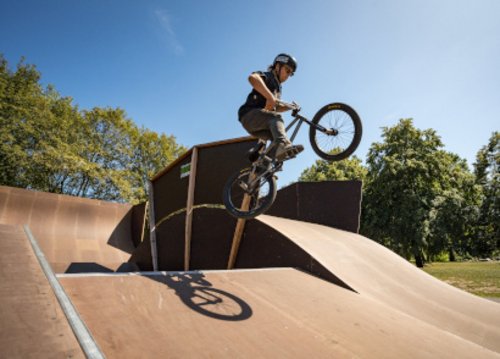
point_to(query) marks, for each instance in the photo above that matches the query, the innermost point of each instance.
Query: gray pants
(266, 125)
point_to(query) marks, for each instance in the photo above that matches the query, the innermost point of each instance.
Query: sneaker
(287, 151)
(281, 151)
(298, 149)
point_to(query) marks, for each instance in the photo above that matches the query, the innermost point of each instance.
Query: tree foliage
(48, 144)
(455, 209)
(420, 200)
(403, 181)
(322, 170)
(487, 174)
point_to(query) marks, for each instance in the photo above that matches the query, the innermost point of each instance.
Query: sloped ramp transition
(379, 274)
(212, 233)
(75, 234)
(344, 258)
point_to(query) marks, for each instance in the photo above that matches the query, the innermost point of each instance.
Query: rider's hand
(297, 106)
(270, 104)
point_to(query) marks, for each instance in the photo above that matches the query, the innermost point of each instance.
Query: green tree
(22, 106)
(322, 170)
(47, 144)
(455, 209)
(487, 174)
(152, 152)
(403, 180)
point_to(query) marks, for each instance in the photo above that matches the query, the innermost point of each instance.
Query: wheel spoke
(342, 135)
(341, 122)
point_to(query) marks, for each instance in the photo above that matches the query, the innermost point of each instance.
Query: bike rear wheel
(336, 132)
(243, 202)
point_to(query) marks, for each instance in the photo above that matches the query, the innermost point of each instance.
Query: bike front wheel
(246, 196)
(336, 132)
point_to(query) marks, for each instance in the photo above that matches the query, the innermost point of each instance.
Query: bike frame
(265, 163)
(301, 119)
(297, 122)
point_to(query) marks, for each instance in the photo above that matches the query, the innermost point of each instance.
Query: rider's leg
(259, 120)
(284, 148)
(277, 128)
(258, 123)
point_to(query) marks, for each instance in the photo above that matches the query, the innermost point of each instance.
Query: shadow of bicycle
(198, 294)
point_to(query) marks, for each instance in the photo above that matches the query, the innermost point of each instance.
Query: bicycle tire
(233, 195)
(345, 122)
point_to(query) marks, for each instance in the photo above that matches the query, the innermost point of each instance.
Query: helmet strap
(276, 72)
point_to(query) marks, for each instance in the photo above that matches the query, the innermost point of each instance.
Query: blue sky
(181, 67)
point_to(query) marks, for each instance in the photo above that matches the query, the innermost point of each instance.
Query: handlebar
(295, 107)
(291, 106)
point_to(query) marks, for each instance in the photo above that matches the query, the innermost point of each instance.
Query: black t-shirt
(255, 99)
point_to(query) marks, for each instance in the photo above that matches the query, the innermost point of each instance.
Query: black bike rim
(340, 132)
(259, 199)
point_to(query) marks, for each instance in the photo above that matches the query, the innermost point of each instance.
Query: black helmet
(287, 60)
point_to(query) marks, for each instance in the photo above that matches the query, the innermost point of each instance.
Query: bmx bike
(334, 133)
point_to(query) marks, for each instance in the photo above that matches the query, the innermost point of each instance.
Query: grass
(479, 278)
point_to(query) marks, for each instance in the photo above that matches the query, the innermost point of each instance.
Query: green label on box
(185, 170)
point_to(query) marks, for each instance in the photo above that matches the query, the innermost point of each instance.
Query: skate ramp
(212, 233)
(76, 234)
(262, 313)
(382, 306)
(346, 259)
(382, 276)
(32, 324)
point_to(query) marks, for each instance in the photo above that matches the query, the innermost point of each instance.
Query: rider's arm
(280, 108)
(259, 86)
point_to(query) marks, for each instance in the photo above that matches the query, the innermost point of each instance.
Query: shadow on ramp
(196, 292)
(93, 267)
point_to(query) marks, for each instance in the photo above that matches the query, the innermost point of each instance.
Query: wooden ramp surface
(32, 324)
(394, 310)
(380, 275)
(268, 313)
(73, 232)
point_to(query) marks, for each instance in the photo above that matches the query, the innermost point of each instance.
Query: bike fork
(296, 130)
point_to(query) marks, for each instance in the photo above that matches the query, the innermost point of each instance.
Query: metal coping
(82, 333)
(167, 273)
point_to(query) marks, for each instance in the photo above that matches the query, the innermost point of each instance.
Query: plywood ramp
(74, 233)
(380, 275)
(32, 324)
(270, 313)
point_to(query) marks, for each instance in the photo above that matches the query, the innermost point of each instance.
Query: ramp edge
(82, 333)
(170, 273)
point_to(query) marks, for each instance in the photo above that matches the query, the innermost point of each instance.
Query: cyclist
(260, 114)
